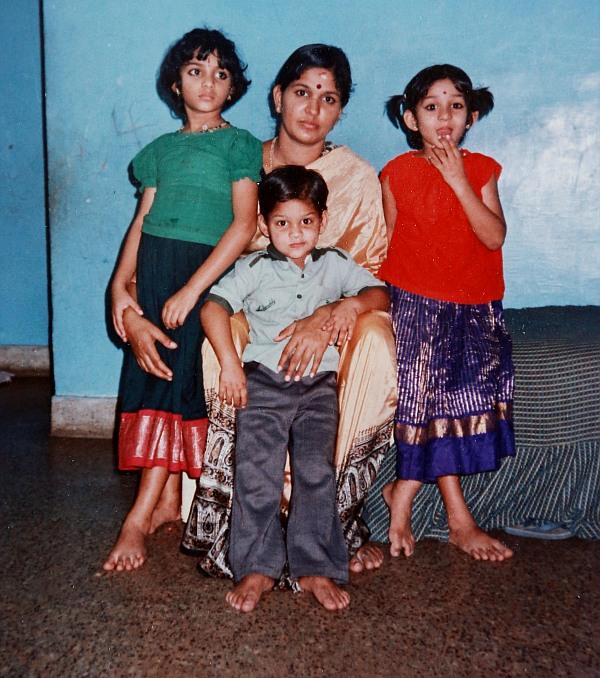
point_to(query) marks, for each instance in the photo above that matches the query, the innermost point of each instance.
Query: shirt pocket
(264, 303)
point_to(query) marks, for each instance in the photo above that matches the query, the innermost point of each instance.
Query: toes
(109, 565)
(329, 602)
(343, 599)
(337, 599)
(249, 602)
(234, 600)
(503, 550)
(356, 565)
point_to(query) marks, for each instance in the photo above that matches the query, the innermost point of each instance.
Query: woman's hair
(480, 100)
(316, 56)
(292, 182)
(199, 43)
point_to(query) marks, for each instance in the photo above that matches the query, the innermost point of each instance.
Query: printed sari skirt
(455, 387)
(164, 423)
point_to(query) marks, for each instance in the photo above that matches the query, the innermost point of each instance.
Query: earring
(467, 127)
(229, 97)
(177, 92)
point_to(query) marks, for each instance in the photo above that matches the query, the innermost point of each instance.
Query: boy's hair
(480, 100)
(292, 182)
(199, 43)
(316, 55)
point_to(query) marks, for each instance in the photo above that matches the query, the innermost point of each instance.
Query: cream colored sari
(366, 378)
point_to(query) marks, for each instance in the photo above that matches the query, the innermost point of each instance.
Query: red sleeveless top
(434, 251)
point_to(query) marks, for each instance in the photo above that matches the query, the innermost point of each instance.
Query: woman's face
(308, 107)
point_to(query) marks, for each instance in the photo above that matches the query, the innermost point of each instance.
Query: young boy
(274, 287)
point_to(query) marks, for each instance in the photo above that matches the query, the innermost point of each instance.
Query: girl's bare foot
(368, 557)
(168, 509)
(479, 544)
(165, 515)
(246, 594)
(465, 534)
(156, 489)
(399, 497)
(129, 553)
(326, 591)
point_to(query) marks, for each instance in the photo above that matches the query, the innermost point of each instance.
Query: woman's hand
(308, 342)
(342, 321)
(121, 300)
(143, 336)
(177, 307)
(448, 160)
(232, 385)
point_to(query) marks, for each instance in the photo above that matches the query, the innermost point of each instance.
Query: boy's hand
(177, 307)
(232, 385)
(342, 322)
(447, 158)
(121, 299)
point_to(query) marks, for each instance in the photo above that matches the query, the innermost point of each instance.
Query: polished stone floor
(437, 614)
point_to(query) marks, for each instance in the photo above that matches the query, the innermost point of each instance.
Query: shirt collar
(275, 254)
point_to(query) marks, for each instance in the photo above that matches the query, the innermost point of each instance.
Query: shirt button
(299, 296)
(302, 276)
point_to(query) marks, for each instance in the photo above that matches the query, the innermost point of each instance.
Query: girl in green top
(196, 215)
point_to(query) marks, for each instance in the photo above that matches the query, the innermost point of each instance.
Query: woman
(308, 96)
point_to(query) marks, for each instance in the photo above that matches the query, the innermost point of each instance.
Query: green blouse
(193, 175)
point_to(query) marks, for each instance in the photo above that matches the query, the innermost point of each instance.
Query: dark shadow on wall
(46, 197)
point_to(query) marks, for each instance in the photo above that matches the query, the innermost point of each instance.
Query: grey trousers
(303, 417)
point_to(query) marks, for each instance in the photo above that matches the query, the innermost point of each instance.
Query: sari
(366, 379)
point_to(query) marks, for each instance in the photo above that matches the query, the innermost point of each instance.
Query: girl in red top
(444, 266)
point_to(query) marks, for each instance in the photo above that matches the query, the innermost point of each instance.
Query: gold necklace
(272, 153)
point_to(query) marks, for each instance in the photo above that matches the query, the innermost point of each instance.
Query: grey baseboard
(81, 417)
(25, 360)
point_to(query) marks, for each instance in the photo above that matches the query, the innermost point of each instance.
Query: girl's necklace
(205, 128)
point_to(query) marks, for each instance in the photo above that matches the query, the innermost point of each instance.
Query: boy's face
(293, 227)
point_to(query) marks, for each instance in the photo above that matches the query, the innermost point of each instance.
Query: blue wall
(539, 58)
(23, 275)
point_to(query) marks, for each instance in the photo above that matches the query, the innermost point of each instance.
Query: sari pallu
(366, 380)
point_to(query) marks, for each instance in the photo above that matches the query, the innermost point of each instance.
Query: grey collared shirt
(274, 292)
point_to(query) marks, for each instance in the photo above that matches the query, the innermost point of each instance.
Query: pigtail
(482, 101)
(394, 109)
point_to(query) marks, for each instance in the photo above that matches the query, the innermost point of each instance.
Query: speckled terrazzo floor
(438, 614)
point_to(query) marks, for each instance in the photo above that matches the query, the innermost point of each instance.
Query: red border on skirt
(150, 438)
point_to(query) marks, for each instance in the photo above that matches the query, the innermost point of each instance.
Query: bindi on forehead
(319, 85)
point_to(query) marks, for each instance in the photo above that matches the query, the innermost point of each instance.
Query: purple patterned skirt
(455, 387)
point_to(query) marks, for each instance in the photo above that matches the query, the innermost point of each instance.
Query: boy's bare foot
(479, 544)
(368, 557)
(246, 594)
(326, 591)
(129, 553)
(399, 497)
